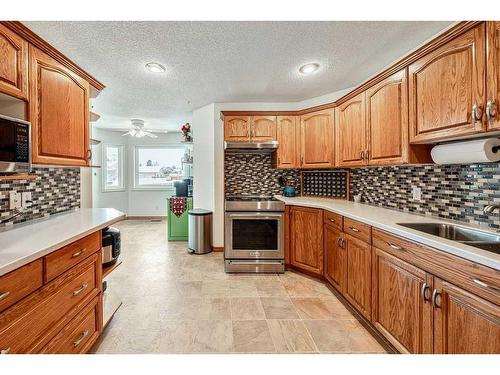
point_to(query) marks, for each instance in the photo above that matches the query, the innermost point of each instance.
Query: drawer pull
(333, 221)
(78, 253)
(4, 295)
(5, 351)
(354, 229)
(435, 295)
(484, 285)
(80, 289)
(394, 246)
(423, 292)
(81, 338)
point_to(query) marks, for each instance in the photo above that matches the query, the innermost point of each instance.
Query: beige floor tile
(242, 288)
(270, 288)
(246, 308)
(279, 308)
(215, 288)
(306, 288)
(321, 308)
(252, 336)
(291, 336)
(342, 336)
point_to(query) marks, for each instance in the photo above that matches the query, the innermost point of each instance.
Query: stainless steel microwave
(15, 145)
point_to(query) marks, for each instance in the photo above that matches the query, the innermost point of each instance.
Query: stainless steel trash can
(200, 231)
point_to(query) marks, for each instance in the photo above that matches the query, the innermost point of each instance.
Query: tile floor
(174, 302)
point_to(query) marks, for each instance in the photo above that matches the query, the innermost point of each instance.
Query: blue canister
(290, 191)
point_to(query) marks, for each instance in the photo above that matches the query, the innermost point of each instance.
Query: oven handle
(262, 215)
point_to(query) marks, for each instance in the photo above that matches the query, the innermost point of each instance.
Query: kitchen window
(112, 160)
(157, 167)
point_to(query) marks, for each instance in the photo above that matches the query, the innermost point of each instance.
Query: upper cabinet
(13, 64)
(249, 128)
(237, 128)
(351, 132)
(263, 128)
(316, 139)
(59, 112)
(493, 75)
(288, 140)
(447, 89)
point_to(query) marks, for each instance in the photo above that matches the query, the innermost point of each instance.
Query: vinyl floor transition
(174, 302)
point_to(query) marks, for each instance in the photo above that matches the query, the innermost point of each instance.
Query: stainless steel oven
(254, 235)
(15, 145)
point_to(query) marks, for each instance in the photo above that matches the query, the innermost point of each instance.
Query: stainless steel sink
(472, 237)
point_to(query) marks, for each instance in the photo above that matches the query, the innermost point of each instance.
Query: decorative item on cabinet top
(327, 184)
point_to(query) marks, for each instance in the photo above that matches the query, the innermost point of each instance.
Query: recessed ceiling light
(155, 67)
(309, 68)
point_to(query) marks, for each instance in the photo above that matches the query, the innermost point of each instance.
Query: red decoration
(178, 205)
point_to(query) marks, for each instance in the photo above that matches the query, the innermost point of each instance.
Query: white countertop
(25, 243)
(387, 220)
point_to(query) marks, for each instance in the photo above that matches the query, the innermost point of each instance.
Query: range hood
(251, 147)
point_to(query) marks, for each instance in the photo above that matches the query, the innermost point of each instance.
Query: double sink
(472, 237)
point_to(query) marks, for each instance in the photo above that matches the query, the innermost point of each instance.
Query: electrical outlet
(26, 199)
(15, 200)
(417, 193)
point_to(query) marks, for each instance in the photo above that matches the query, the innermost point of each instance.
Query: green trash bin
(177, 226)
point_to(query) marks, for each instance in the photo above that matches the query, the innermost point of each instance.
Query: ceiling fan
(138, 130)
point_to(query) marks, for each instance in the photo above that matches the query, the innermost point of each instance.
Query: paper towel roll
(467, 152)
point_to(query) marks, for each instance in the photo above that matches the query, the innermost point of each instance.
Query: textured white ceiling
(224, 61)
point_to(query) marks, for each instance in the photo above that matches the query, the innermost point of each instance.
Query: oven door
(254, 235)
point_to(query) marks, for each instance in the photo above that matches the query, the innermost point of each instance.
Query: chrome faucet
(491, 207)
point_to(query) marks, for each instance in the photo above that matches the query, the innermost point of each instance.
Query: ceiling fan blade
(151, 135)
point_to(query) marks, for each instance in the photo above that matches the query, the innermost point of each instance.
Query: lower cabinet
(359, 270)
(306, 239)
(463, 322)
(401, 303)
(335, 257)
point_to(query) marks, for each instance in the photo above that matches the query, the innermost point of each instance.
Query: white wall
(134, 202)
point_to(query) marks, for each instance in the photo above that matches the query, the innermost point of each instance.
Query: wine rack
(328, 184)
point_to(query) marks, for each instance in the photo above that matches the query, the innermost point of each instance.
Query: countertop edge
(18, 263)
(406, 233)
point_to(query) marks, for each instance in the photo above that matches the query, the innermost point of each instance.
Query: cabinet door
(288, 136)
(401, 308)
(316, 140)
(463, 322)
(59, 112)
(351, 132)
(335, 257)
(493, 76)
(306, 239)
(359, 266)
(13, 64)
(263, 128)
(387, 120)
(445, 85)
(237, 128)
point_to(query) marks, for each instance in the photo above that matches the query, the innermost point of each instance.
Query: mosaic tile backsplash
(55, 190)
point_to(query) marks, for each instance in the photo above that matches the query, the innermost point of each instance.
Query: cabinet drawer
(480, 280)
(27, 326)
(17, 284)
(79, 334)
(63, 259)
(334, 219)
(358, 230)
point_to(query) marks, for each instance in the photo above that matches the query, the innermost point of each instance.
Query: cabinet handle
(354, 229)
(301, 160)
(423, 292)
(89, 154)
(477, 113)
(78, 253)
(435, 295)
(367, 154)
(343, 243)
(484, 285)
(4, 295)
(80, 289)
(491, 110)
(81, 338)
(5, 351)
(362, 155)
(394, 246)
(333, 221)
(339, 242)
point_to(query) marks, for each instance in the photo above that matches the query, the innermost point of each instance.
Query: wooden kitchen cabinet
(401, 303)
(316, 140)
(359, 266)
(59, 112)
(335, 257)
(262, 128)
(464, 322)
(288, 130)
(306, 239)
(351, 132)
(13, 64)
(237, 128)
(447, 89)
(493, 76)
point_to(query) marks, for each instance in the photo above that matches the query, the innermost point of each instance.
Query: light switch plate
(26, 199)
(15, 200)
